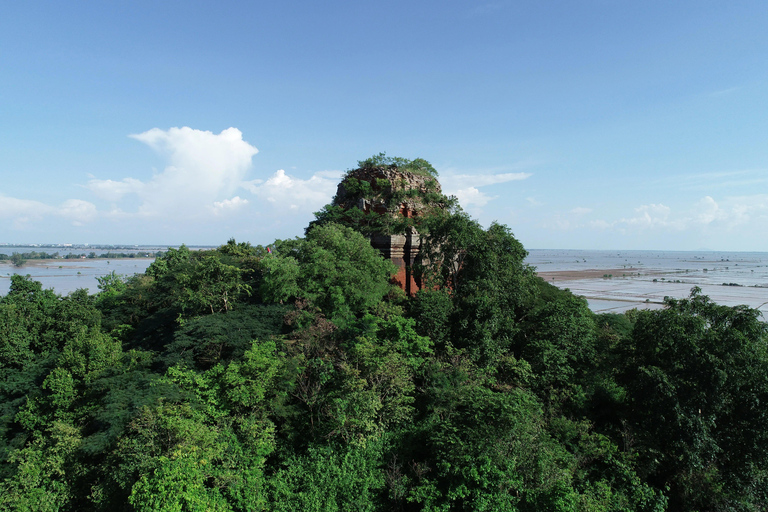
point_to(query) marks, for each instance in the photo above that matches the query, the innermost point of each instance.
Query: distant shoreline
(79, 260)
(592, 273)
(61, 261)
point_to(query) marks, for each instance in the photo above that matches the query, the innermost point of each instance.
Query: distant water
(729, 278)
(65, 276)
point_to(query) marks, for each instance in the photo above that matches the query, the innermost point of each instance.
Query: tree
(111, 285)
(334, 267)
(17, 259)
(695, 373)
(329, 478)
(558, 341)
(486, 277)
(477, 449)
(199, 282)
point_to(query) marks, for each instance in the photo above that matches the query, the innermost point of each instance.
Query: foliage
(199, 282)
(559, 342)
(334, 267)
(484, 274)
(18, 260)
(300, 379)
(204, 341)
(694, 373)
(329, 478)
(415, 166)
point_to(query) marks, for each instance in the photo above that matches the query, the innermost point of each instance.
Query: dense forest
(298, 377)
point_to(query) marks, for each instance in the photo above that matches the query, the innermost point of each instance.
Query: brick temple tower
(389, 201)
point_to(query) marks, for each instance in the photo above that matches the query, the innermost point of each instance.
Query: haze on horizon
(589, 125)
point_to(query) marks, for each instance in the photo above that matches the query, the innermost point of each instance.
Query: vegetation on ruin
(374, 206)
(417, 166)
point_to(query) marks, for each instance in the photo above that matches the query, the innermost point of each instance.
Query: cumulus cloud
(647, 216)
(204, 179)
(296, 194)
(650, 215)
(203, 168)
(226, 205)
(466, 186)
(732, 211)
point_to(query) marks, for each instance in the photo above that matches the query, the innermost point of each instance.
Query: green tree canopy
(334, 267)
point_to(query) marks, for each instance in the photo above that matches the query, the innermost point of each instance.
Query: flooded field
(615, 281)
(66, 276)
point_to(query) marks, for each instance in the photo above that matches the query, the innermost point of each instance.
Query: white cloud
(471, 196)
(453, 182)
(10, 207)
(115, 190)
(465, 186)
(647, 216)
(706, 214)
(580, 210)
(78, 211)
(203, 169)
(220, 207)
(204, 180)
(734, 211)
(601, 224)
(21, 212)
(650, 215)
(287, 192)
(203, 174)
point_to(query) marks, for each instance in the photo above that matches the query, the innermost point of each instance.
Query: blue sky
(579, 124)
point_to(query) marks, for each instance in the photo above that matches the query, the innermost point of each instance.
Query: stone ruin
(406, 197)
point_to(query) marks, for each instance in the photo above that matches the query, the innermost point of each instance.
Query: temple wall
(402, 250)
